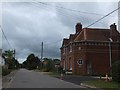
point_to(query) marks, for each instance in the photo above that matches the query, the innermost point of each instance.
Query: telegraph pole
(14, 52)
(42, 51)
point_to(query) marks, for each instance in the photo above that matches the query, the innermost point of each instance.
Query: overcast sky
(26, 25)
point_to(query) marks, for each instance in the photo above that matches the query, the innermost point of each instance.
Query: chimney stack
(113, 29)
(78, 27)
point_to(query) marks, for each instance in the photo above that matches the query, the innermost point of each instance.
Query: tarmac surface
(0, 82)
(78, 79)
(31, 79)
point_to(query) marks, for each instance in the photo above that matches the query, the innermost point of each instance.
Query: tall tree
(32, 62)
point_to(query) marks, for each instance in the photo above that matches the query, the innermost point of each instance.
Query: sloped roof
(72, 37)
(93, 34)
(65, 41)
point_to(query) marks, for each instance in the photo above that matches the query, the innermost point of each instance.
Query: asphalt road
(78, 79)
(31, 79)
(0, 82)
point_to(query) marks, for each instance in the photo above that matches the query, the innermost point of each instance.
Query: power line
(51, 43)
(5, 37)
(103, 17)
(80, 11)
(74, 17)
(71, 9)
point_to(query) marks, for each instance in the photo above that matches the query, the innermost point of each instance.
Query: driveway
(77, 79)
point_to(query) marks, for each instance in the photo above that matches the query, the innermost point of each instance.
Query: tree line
(47, 64)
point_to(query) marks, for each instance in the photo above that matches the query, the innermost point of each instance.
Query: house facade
(90, 50)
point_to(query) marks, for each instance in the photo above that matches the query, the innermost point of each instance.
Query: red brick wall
(96, 55)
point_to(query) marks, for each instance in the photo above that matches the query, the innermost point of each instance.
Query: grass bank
(103, 84)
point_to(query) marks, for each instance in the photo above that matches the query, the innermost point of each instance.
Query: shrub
(116, 71)
(5, 71)
(45, 70)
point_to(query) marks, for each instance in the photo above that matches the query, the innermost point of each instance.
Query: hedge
(116, 71)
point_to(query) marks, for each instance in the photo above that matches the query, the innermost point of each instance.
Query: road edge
(90, 86)
(7, 80)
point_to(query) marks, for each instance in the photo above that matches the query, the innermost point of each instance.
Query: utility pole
(14, 53)
(42, 51)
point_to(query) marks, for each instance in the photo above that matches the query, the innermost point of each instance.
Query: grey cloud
(101, 8)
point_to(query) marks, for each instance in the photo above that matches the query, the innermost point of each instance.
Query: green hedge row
(5, 71)
(116, 71)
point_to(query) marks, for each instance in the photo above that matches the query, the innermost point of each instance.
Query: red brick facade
(88, 51)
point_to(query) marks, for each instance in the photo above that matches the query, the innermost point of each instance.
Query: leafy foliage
(50, 65)
(5, 71)
(32, 62)
(10, 60)
(116, 71)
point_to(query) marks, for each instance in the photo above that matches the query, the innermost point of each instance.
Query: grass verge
(54, 74)
(103, 84)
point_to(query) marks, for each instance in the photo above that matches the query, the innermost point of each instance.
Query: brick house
(90, 50)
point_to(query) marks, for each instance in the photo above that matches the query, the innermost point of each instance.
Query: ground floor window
(70, 63)
(80, 62)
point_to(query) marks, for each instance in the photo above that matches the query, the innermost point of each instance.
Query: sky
(28, 24)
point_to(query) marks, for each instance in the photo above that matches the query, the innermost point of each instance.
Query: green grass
(54, 74)
(104, 84)
(49, 73)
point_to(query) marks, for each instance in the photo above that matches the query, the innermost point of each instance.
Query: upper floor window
(70, 48)
(79, 48)
(63, 50)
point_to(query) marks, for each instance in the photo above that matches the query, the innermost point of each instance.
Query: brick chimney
(78, 27)
(113, 29)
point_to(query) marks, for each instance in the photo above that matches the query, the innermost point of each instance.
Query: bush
(116, 71)
(5, 71)
(45, 70)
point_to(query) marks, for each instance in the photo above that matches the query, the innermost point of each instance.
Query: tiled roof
(94, 34)
(65, 41)
(72, 37)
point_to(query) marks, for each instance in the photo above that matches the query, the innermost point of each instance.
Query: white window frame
(70, 48)
(79, 48)
(80, 62)
(63, 51)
